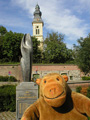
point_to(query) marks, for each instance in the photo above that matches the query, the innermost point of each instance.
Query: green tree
(3, 30)
(36, 51)
(1, 47)
(82, 56)
(11, 46)
(55, 50)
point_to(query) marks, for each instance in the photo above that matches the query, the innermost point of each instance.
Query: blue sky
(69, 17)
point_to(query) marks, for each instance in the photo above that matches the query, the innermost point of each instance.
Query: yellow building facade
(38, 26)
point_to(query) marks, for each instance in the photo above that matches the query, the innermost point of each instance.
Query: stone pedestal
(26, 94)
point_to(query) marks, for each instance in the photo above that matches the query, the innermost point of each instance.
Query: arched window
(37, 30)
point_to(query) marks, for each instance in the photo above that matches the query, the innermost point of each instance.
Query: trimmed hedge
(78, 89)
(88, 92)
(85, 78)
(8, 98)
(8, 79)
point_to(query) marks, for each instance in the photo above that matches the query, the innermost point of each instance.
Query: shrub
(88, 92)
(88, 118)
(12, 79)
(8, 98)
(85, 78)
(7, 78)
(84, 91)
(78, 89)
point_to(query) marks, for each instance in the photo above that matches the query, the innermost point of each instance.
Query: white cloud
(70, 46)
(55, 16)
(58, 17)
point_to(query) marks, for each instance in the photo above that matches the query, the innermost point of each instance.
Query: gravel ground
(7, 115)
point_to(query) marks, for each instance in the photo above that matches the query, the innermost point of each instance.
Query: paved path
(7, 115)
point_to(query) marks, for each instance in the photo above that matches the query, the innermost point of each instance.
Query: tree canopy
(10, 47)
(55, 50)
(3, 30)
(82, 54)
(36, 51)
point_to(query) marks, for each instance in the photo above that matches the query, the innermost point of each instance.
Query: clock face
(37, 19)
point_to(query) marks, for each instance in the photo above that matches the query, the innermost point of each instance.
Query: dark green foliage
(1, 47)
(85, 78)
(36, 51)
(3, 30)
(8, 98)
(78, 89)
(88, 118)
(82, 52)
(55, 50)
(7, 78)
(88, 92)
(11, 47)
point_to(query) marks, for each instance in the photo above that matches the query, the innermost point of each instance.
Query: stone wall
(72, 71)
(15, 71)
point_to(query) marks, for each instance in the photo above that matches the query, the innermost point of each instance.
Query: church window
(37, 30)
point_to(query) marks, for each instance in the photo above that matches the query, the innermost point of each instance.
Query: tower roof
(37, 15)
(37, 11)
(37, 7)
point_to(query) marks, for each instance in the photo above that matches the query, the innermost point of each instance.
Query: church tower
(38, 26)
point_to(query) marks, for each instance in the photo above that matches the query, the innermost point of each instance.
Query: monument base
(26, 94)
